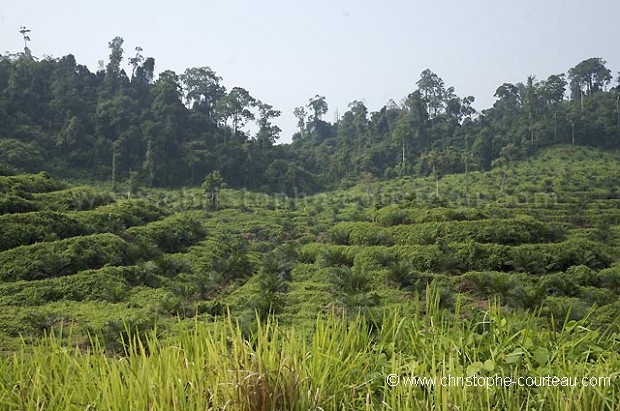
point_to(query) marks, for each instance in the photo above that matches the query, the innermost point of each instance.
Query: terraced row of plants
(102, 271)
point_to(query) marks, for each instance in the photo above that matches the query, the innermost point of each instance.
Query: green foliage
(76, 198)
(359, 234)
(463, 277)
(212, 185)
(177, 130)
(64, 257)
(170, 235)
(278, 368)
(30, 228)
(29, 183)
(118, 216)
(105, 284)
(12, 203)
(610, 278)
(507, 231)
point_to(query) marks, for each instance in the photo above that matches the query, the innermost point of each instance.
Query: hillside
(530, 246)
(540, 232)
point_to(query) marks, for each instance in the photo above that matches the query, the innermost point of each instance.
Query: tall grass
(342, 365)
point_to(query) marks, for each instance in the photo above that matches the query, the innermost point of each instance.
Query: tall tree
(202, 91)
(237, 106)
(267, 132)
(301, 115)
(588, 77)
(433, 91)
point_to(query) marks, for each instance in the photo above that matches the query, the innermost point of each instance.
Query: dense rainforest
(117, 123)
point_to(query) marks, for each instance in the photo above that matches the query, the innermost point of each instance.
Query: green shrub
(422, 258)
(583, 275)
(29, 183)
(118, 216)
(610, 278)
(30, 228)
(359, 233)
(170, 235)
(106, 284)
(330, 256)
(597, 296)
(12, 203)
(76, 198)
(559, 284)
(394, 215)
(513, 289)
(512, 231)
(64, 257)
(565, 308)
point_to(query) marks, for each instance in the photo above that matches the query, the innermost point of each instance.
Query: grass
(341, 364)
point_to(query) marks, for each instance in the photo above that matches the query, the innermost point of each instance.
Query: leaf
(489, 365)
(514, 356)
(474, 368)
(541, 355)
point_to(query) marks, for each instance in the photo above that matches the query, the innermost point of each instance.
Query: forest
(58, 116)
(157, 254)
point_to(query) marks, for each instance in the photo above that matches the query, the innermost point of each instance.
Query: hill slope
(534, 236)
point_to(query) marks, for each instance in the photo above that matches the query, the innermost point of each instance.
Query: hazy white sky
(285, 52)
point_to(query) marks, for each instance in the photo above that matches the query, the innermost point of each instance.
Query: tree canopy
(57, 115)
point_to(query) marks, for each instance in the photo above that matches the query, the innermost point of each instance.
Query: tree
(202, 91)
(433, 91)
(134, 183)
(440, 162)
(236, 106)
(136, 61)
(267, 133)
(508, 95)
(212, 185)
(24, 32)
(113, 72)
(318, 105)
(508, 155)
(301, 115)
(552, 92)
(588, 77)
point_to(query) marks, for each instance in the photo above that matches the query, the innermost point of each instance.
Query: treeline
(126, 126)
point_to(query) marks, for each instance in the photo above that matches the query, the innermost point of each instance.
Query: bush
(565, 308)
(422, 258)
(596, 296)
(359, 233)
(330, 256)
(12, 203)
(76, 198)
(170, 235)
(610, 278)
(118, 216)
(513, 289)
(393, 215)
(512, 231)
(65, 257)
(30, 228)
(559, 284)
(106, 284)
(29, 183)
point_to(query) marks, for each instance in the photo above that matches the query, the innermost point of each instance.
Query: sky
(285, 52)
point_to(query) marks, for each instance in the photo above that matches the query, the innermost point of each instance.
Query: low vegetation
(171, 300)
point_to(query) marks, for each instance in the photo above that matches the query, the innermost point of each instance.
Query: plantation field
(160, 301)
